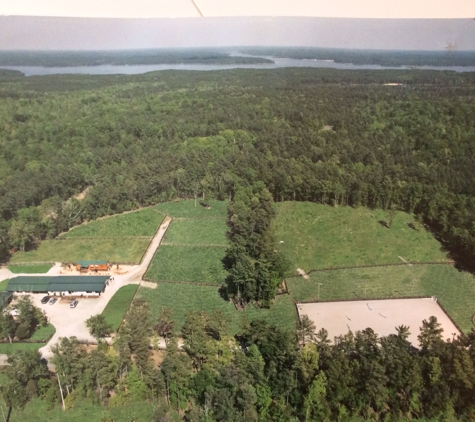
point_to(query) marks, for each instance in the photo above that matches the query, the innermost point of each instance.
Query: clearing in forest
(121, 238)
(194, 244)
(69, 250)
(138, 223)
(455, 290)
(320, 236)
(183, 298)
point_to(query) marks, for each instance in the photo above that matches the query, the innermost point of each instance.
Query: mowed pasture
(186, 208)
(117, 307)
(209, 231)
(195, 264)
(183, 298)
(71, 250)
(320, 236)
(454, 289)
(137, 223)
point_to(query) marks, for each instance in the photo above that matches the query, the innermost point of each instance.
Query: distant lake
(278, 63)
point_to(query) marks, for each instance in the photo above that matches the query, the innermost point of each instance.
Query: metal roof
(38, 284)
(85, 264)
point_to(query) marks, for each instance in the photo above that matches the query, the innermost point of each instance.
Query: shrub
(22, 332)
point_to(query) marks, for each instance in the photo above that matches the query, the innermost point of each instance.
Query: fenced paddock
(380, 315)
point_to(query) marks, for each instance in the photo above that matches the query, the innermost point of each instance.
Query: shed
(84, 266)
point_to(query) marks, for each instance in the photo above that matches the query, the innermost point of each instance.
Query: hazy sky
(441, 9)
(58, 33)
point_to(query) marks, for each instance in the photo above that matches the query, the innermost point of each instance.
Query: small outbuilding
(95, 266)
(59, 286)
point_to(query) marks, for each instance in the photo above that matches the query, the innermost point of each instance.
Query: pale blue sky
(58, 33)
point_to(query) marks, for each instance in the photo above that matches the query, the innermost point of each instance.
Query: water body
(278, 63)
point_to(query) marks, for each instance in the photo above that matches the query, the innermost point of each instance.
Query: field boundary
(160, 244)
(150, 243)
(355, 267)
(192, 283)
(128, 307)
(62, 238)
(32, 264)
(200, 245)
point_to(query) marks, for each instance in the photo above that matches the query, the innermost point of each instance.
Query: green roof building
(63, 285)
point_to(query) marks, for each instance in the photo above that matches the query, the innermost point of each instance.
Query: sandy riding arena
(381, 315)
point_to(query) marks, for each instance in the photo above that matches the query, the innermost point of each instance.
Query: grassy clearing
(29, 269)
(454, 289)
(83, 410)
(139, 223)
(7, 348)
(118, 305)
(43, 333)
(198, 264)
(183, 298)
(186, 209)
(3, 285)
(192, 232)
(320, 236)
(71, 250)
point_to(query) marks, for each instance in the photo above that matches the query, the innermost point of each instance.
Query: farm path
(71, 322)
(5, 273)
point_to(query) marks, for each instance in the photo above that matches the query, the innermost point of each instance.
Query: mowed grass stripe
(29, 269)
(454, 289)
(184, 298)
(188, 263)
(138, 223)
(197, 232)
(186, 209)
(71, 250)
(320, 236)
(118, 305)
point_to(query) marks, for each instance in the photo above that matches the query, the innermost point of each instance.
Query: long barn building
(60, 285)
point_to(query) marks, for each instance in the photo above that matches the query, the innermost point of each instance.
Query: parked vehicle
(45, 299)
(53, 300)
(74, 303)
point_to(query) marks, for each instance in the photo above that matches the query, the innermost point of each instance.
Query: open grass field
(186, 209)
(210, 231)
(3, 285)
(118, 305)
(29, 269)
(183, 298)
(198, 264)
(43, 333)
(320, 236)
(455, 290)
(138, 223)
(71, 250)
(7, 348)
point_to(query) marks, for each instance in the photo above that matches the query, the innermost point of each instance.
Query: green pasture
(71, 250)
(455, 290)
(3, 285)
(320, 236)
(210, 231)
(186, 208)
(198, 264)
(29, 269)
(182, 298)
(118, 305)
(138, 223)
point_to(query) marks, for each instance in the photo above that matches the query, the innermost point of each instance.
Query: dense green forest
(448, 57)
(322, 135)
(124, 57)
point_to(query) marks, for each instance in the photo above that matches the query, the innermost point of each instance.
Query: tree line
(335, 137)
(262, 374)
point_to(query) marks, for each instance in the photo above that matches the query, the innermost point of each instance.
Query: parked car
(74, 303)
(53, 300)
(45, 299)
